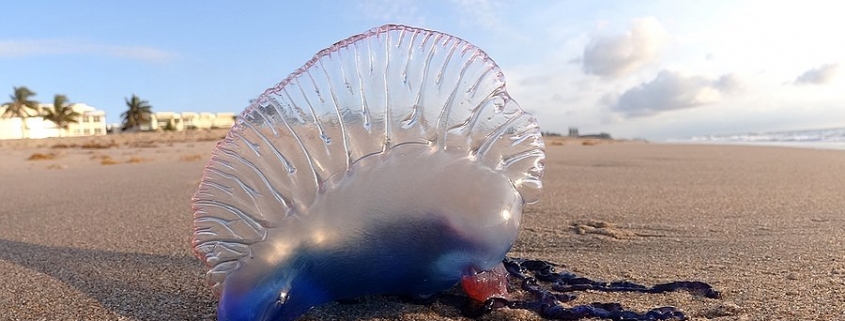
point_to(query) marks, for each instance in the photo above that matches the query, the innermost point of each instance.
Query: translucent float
(393, 162)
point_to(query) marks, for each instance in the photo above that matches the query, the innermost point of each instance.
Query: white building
(189, 121)
(89, 122)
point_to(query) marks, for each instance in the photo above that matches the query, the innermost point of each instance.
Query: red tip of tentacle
(487, 284)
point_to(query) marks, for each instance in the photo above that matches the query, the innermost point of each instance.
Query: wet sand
(103, 233)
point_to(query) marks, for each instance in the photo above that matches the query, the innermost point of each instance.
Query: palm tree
(61, 113)
(18, 106)
(138, 113)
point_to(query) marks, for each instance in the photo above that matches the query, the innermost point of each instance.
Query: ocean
(830, 138)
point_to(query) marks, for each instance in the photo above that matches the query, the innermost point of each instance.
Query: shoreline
(802, 144)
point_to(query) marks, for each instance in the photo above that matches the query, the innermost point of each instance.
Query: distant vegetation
(61, 114)
(597, 136)
(138, 113)
(22, 105)
(574, 134)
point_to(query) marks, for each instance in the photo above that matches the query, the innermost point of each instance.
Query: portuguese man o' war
(393, 162)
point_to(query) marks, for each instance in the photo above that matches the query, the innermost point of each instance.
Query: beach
(99, 229)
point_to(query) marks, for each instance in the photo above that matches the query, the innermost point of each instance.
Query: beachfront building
(89, 122)
(165, 120)
(188, 121)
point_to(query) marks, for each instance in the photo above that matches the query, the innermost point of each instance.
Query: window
(98, 131)
(86, 131)
(96, 119)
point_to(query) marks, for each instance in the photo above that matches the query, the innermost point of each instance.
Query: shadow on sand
(140, 286)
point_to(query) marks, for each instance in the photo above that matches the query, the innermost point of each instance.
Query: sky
(635, 69)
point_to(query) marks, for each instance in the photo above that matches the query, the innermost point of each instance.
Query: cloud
(818, 76)
(479, 12)
(620, 55)
(384, 11)
(23, 48)
(729, 83)
(672, 91)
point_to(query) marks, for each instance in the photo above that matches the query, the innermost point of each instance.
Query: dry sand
(83, 238)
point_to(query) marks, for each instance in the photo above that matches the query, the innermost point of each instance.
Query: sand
(103, 233)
